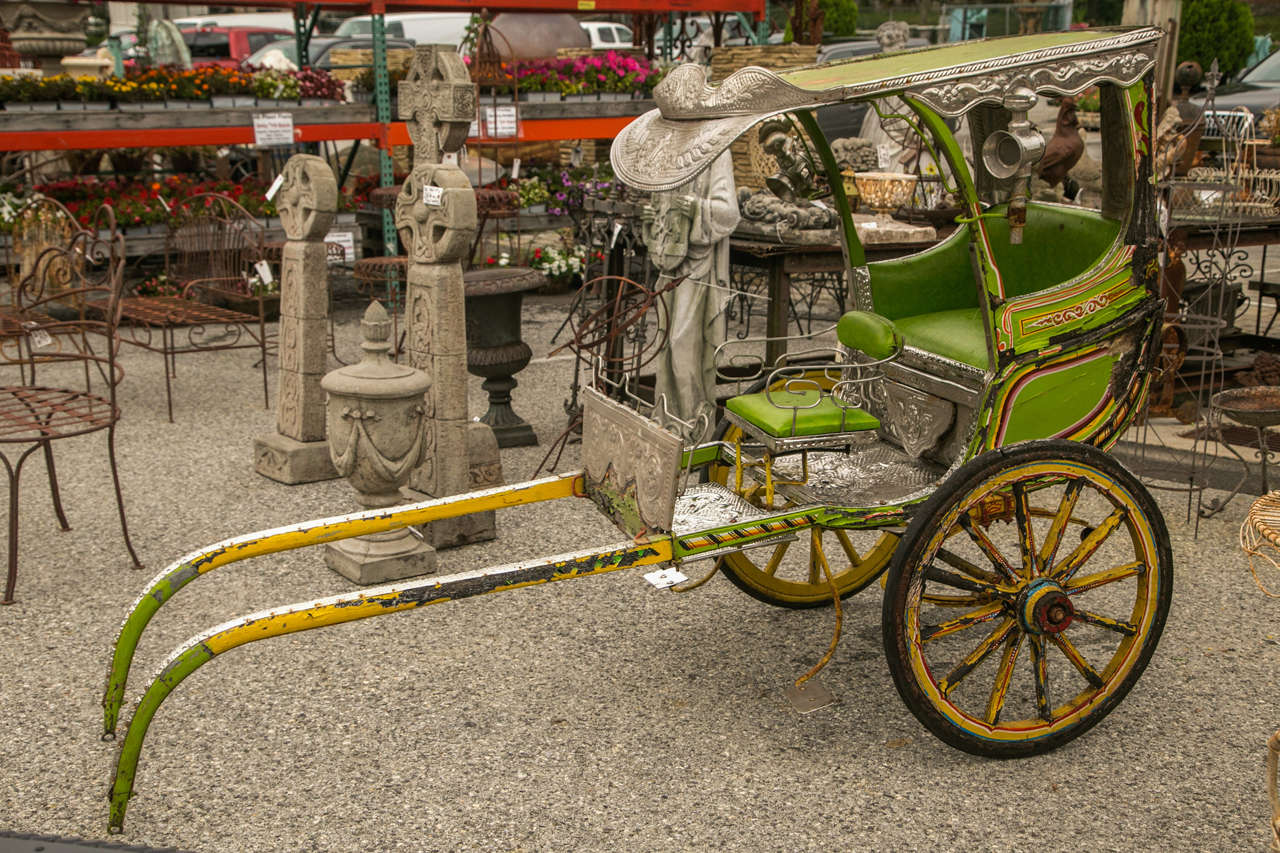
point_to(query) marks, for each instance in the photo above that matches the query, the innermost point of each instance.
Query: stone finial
(438, 100)
(308, 198)
(436, 214)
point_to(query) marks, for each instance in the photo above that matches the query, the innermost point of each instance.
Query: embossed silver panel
(917, 419)
(627, 456)
(874, 476)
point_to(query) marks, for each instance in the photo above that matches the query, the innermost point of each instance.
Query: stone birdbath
(495, 351)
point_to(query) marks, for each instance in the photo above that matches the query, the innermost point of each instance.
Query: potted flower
(275, 89)
(95, 93)
(534, 195)
(318, 88)
(563, 266)
(230, 89)
(158, 285)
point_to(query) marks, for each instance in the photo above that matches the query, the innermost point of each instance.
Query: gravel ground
(593, 715)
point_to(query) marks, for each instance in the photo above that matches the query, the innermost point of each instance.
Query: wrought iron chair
(68, 307)
(41, 224)
(210, 254)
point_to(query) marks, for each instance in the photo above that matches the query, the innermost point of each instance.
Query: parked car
(319, 51)
(606, 34)
(419, 27)
(269, 20)
(228, 46)
(1257, 89)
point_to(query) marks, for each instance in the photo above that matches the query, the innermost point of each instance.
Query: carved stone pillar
(298, 452)
(435, 216)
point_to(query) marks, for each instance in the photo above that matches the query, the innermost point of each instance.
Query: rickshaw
(953, 443)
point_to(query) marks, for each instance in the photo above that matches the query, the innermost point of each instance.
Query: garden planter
(139, 106)
(615, 96)
(249, 305)
(42, 107)
(71, 106)
(277, 103)
(540, 97)
(230, 102)
(319, 102)
(347, 218)
(534, 210)
(97, 106)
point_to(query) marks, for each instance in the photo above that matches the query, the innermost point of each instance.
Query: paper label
(272, 129)
(275, 187)
(169, 209)
(433, 196)
(613, 239)
(264, 272)
(474, 130)
(39, 337)
(449, 158)
(347, 241)
(663, 578)
(515, 169)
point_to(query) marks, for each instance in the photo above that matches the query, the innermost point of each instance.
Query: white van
(419, 27)
(270, 20)
(606, 34)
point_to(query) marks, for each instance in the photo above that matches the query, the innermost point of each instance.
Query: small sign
(663, 578)
(39, 337)
(264, 272)
(515, 169)
(433, 196)
(169, 209)
(586, 5)
(613, 238)
(275, 187)
(347, 241)
(272, 129)
(501, 122)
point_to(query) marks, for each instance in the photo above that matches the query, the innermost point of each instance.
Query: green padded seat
(957, 334)
(826, 417)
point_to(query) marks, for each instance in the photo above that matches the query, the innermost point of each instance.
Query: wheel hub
(1045, 608)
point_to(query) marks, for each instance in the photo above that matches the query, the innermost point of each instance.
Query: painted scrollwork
(438, 100)
(436, 214)
(308, 197)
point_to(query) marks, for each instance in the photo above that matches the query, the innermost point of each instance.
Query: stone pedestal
(298, 452)
(485, 471)
(380, 557)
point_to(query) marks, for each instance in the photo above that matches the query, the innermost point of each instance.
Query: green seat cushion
(956, 334)
(771, 413)
(869, 333)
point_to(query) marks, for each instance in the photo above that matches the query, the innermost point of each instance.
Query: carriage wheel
(1010, 637)
(786, 574)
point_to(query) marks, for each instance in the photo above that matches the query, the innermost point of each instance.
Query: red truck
(227, 46)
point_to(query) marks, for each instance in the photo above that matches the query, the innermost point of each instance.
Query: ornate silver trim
(860, 288)
(917, 419)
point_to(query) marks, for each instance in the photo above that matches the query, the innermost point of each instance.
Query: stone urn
(495, 351)
(377, 420)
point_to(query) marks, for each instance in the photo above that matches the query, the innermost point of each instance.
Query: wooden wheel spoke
(850, 552)
(1063, 572)
(975, 657)
(955, 561)
(1026, 535)
(1004, 675)
(1049, 550)
(1117, 625)
(968, 620)
(1040, 669)
(1097, 579)
(946, 578)
(1077, 660)
(955, 600)
(775, 560)
(980, 538)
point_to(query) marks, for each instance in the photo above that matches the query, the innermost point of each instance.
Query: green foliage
(1221, 29)
(840, 17)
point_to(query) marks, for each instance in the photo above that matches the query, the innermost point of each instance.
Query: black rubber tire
(924, 526)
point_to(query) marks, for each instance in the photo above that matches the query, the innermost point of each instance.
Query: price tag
(264, 272)
(515, 169)
(272, 129)
(433, 196)
(449, 158)
(274, 188)
(613, 239)
(663, 578)
(347, 241)
(39, 337)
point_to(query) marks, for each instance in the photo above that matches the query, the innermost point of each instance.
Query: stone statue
(307, 201)
(687, 231)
